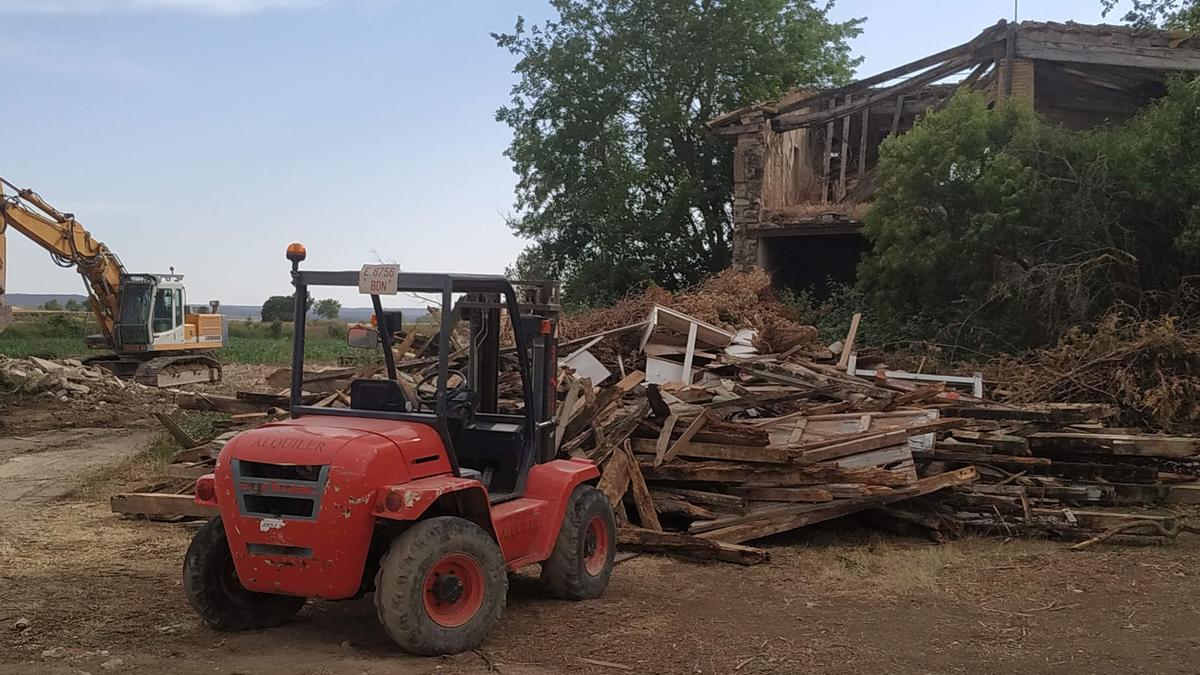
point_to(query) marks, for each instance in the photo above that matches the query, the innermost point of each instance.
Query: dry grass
(1150, 369)
(732, 300)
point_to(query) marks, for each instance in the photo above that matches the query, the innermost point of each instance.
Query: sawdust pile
(1150, 369)
(732, 300)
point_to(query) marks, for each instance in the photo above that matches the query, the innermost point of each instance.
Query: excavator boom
(70, 245)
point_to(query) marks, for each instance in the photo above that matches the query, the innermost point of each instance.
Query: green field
(61, 335)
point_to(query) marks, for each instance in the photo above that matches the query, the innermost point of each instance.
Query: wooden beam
(899, 112)
(844, 155)
(642, 498)
(776, 494)
(678, 543)
(790, 518)
(1152, 58)
(812, 474)
(848, 344)
(828, 155)
(692, 429)
(982, 40)
(181, 436)
(862, 143)
(1114, 444)
(729, 453)
(799, 121)
(158, 504)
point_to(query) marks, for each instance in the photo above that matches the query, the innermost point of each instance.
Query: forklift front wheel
(582, 561)
(213, 590)
(441, 587)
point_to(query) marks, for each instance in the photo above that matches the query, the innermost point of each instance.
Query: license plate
(378, 279)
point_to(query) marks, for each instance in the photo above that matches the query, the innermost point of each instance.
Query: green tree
(619, 180)
(328, 309)
(1183, 14)
(52, 305)
(281, 307)
(73, 305)
(1000, 230)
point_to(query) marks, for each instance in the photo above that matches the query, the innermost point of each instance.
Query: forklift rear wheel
(211, 584)
(441, 587)
(582, 561)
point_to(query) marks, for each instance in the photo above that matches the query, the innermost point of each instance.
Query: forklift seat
(380, 395)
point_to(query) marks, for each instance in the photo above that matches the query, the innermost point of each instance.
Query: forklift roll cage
(538, 418)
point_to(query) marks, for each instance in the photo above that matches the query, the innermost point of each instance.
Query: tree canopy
(1157, 13)
(281, 307)
(328, 309)
(619, 181)
(1007, 230)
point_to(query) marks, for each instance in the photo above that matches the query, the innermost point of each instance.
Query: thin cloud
(216, 7)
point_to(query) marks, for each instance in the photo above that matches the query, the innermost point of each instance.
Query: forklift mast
(540, 308)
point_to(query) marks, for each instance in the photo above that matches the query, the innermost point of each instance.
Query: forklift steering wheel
(431, 399)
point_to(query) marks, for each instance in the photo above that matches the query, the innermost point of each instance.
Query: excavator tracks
(171, 371)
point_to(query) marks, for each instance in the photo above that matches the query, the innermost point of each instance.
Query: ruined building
(804, 165)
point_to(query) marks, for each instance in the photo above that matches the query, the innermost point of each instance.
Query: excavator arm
(70, 245)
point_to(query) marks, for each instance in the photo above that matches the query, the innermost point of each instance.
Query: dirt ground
(102, 594)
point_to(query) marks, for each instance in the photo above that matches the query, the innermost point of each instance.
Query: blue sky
(207, 134)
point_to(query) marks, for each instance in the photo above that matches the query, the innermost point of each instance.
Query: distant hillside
(235, 312)
(36, 300)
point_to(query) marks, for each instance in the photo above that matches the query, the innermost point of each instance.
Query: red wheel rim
(595, 546)
(453, 590)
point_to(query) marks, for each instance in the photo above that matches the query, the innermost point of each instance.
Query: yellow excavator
(144, 318)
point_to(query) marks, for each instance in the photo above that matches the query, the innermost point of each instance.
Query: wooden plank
(186, 471)
(981, 458)
(714, 499)
(1109, 54)
(980, 41)
(1114, 444)
(181, 436)
(1057, 414)
(807, 514)
(828, 157)
(216, 402)
(843, 155)
(729, 453)
(642, 498)
(664, 438)
(811, 474)
(778, 494)
(853, 447)
(683, 440)
(801, 120)
(896, 116)
(158, 504)
(862, 143)
(564, 413)
(615, 478)
(678, 543)
(679, 506)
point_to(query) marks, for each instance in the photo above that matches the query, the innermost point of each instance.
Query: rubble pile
(63, 379)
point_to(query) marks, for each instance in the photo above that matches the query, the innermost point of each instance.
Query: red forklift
(425, 495)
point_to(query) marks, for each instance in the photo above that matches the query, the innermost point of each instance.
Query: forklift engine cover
(297, 497)
(300, 499)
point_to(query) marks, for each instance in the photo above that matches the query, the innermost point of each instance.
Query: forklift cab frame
(460, 420)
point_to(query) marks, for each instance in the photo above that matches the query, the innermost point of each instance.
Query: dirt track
(100, 590)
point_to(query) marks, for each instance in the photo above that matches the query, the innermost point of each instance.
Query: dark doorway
(812, 261)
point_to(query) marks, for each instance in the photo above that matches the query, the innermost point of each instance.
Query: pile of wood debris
(713, 445)
(710, 436)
